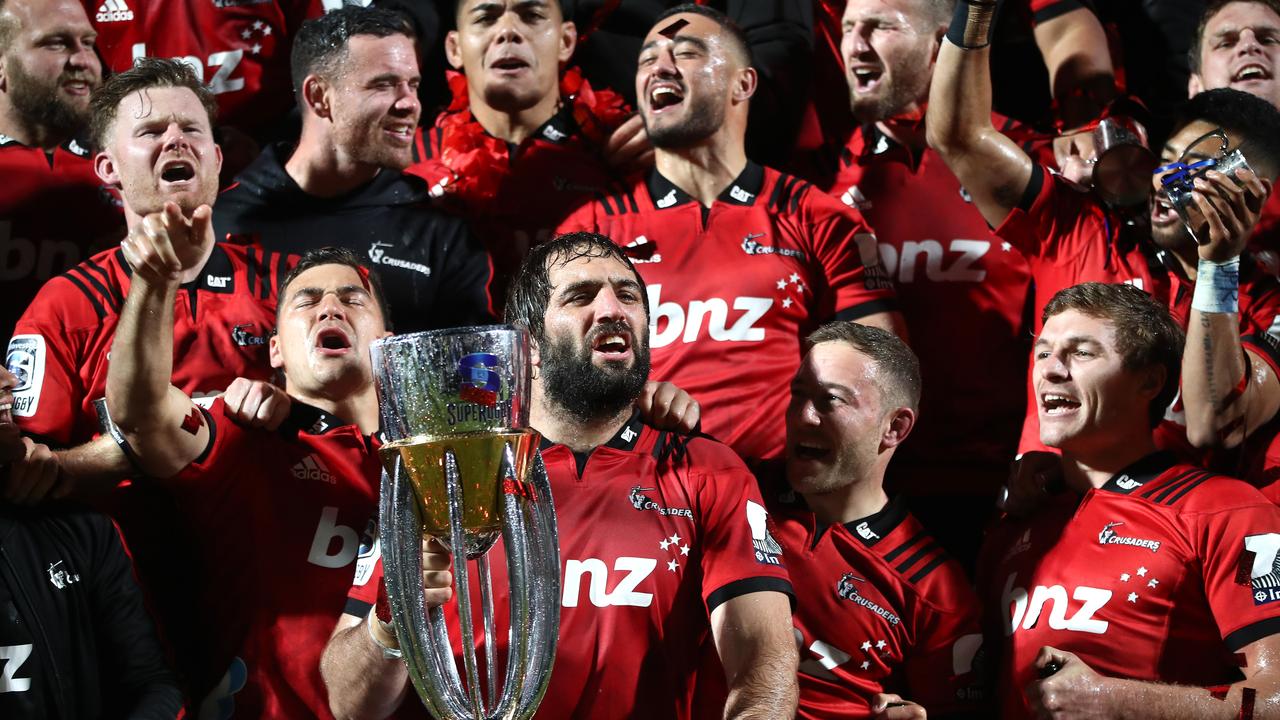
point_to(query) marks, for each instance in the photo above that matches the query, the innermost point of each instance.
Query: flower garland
(478, 162)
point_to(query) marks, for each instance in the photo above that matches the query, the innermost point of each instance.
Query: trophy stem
(461, 581)
(490, 643)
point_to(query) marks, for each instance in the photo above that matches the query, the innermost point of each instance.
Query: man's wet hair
(737, 36)
(320, 47)
(1146, 334)
(145, 74)
(530, 291)
(1252, 124)
(897, 367)
(336, 256)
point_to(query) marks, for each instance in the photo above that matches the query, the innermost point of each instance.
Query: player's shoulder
(90, 292)
(1162, 483)
(917, 559)
(619, 197)
(786, 194)
(685, 452)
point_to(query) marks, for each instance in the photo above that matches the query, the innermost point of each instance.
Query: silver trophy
(461, 464)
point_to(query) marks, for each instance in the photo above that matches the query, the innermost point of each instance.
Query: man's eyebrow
(696, 41)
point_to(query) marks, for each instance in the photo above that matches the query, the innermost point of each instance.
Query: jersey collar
(559, 128)
(872, 528)
(742, 191)
(1140, 473)
(218, 273)
(625, 439)
(309, 419)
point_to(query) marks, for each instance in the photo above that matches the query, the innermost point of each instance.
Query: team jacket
(434, 272)
(54, 212)
(656, 531)
(734, 289)
(59, 351)
(1162, 574)
(74, 634)
(879, 608)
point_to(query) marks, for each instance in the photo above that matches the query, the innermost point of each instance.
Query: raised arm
(990, 166)
(1081, 78)
(753, 635)
(159, 421)
(1228, 391)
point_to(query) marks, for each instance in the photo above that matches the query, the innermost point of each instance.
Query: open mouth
(6, 412)
(612, 344)
(332, 341)
(1250, 72)
(664, 96)
(177, 171)
(865, 78)
(400, 131)
(1054, 404)
(802, 451)
(509, 64)
(1162, 212)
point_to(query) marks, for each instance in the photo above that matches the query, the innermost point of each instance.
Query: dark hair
(337, 256)
(1212, 8)
(737, 36)
(530, 290)
(1253, 124)
(897, 368)
(320, 46)
(1146, 334)
(146, 73)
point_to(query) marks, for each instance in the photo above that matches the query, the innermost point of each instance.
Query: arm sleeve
(1260, 315)
(126, 633)
(844, 248)
(1239, 550)
(364, 595)
(1052, 217)
(44, 355)
(740, 554)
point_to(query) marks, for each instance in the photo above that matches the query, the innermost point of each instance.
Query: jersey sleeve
(1260, 318)
(740, 553)
(44, 354)
(222, 460)
(1239, 550)
(1052, 218)
(364, 595)
(845, 250)
(942, 673)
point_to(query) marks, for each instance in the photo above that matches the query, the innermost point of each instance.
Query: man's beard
(704, 118)
(39, 104)
(896, 95)
(586, 391)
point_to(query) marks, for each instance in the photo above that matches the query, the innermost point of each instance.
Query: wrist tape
(972, 23)
(1217, 286)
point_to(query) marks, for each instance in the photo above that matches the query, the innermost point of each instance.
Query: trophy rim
(471, 330)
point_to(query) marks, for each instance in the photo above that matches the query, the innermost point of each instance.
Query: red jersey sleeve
(365, 589)
(1260, 314)
(222, 458)
(1238, 546)
(740, 552)
(941, 672)
(45, 354)
(843, 245)
(1054, 219)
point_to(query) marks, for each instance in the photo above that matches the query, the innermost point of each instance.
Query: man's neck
(703, 172)
(321, 169)
(559, 426)
(1083, 471)
(41, 136)
(360, 407)
(514, 126)
(858, 499)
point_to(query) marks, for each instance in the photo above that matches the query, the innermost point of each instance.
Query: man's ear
(568, 41)
(105, 168)
(275, 354)
(745, 85)
(452, 52)
(1153, 382)
(901, 421)
(1195, 85)
(315, 95)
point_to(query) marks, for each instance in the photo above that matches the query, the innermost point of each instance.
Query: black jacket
(75, 637)
(434, 272)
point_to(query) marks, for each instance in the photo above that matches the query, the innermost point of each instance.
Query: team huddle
(857, 399)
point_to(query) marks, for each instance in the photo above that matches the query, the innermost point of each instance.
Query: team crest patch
(767, 549)
(847, 589)
(640, 501)
(25, 359)
(1108, 536)
(1260, 563)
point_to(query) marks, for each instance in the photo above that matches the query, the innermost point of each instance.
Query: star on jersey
(866, 646)
(1142, 572)
(673, 565)
(1133, 597)
(1124, 577)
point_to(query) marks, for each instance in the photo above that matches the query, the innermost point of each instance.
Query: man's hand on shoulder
(256, 404)
(1033, 479)
(667, 407)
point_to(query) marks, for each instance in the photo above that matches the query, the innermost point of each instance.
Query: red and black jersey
(734, 288)
(513, 197)
(60, 345)
(239, 48)
(278, 519)
(959, 286)
(54, 212)
(1162, 574)
(656, 531)
(879, 608)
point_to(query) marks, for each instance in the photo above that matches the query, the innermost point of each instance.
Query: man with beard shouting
(695, 555)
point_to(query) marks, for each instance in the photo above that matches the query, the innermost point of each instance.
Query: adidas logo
(310, 468)
(114, 11)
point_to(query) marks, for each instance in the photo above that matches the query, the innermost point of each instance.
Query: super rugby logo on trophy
(461, 464)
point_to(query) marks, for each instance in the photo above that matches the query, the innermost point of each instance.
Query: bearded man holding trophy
(665, 559)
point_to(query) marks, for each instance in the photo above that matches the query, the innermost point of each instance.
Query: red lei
(479, 162)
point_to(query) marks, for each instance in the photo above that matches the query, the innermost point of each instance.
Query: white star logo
(664, 544)
(880, 644)
(800, 287)
(786, 302)
(256, 49)
(866, 646)
(1006, 246)
(782, 284)
(684, 549)
(673, 565)
(266, 30)
(795, 278)
(257, 24)
(866, 664)
(246, 34)
(1124, 577)
(675, 539)
(1142, 572)
(1133, 597)
(1152, 582)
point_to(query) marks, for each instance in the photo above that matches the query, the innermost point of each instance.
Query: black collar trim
(560, 128)
(874, 141)
(874, 527)
(625, 439)
(1140, 473)
(742, 191)
(309, 419)
(218, 265)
